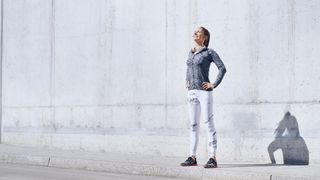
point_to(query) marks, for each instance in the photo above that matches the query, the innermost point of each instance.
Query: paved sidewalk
(29, 172)
(151, 165)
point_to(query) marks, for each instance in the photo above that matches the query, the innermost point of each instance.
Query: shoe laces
(211, 161)
(190, 159)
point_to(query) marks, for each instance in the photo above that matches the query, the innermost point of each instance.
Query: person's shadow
(294, 148)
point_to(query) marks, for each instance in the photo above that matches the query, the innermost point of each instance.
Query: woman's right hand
(187, 84)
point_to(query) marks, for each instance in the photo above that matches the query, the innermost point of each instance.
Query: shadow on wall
(288, 139)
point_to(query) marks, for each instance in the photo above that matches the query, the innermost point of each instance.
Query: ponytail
(207, 35)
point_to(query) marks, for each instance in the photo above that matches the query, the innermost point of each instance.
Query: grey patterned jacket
(198, 65)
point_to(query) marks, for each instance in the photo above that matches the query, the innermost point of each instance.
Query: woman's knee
(194, 127)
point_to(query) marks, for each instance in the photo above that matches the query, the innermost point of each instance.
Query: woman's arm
(220, 65)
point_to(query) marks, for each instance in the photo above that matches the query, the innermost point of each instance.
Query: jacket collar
(200, 50)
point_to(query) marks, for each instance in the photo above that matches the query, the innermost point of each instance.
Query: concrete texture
(152, 165)
(109, 75)
(27, 172)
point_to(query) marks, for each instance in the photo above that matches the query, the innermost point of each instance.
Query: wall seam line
(52, 64)
(1, 67)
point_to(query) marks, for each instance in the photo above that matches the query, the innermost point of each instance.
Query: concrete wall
(108, 75)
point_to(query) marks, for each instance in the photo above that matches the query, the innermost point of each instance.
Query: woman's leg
(206, 101)
(194, 116)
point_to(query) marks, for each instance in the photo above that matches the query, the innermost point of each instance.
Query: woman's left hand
(207, 85)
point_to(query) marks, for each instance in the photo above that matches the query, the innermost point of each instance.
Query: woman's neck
(196, 47)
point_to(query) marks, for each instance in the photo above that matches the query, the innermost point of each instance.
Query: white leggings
(201, 102)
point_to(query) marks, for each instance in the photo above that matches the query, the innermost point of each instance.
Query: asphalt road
(27, 172)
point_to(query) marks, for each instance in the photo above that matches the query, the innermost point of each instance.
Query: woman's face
(198, 36)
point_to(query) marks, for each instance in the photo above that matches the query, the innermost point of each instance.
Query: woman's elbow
(223, 70)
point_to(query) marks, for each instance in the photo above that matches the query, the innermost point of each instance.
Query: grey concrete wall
(108, 75)
(1, 40)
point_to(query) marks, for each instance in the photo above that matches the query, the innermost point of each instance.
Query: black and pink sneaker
(212, 163)
(190, 162)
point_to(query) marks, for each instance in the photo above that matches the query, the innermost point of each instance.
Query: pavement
(151, 165)
(28, 172)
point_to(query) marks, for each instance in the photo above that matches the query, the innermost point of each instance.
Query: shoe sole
(188, 165)
(210, 167)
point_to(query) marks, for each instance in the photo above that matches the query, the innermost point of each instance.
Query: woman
(200, 94)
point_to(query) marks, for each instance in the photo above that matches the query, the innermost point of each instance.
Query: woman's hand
(187, 84)
(207, 85)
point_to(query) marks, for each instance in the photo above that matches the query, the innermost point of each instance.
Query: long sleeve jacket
(198, 65)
